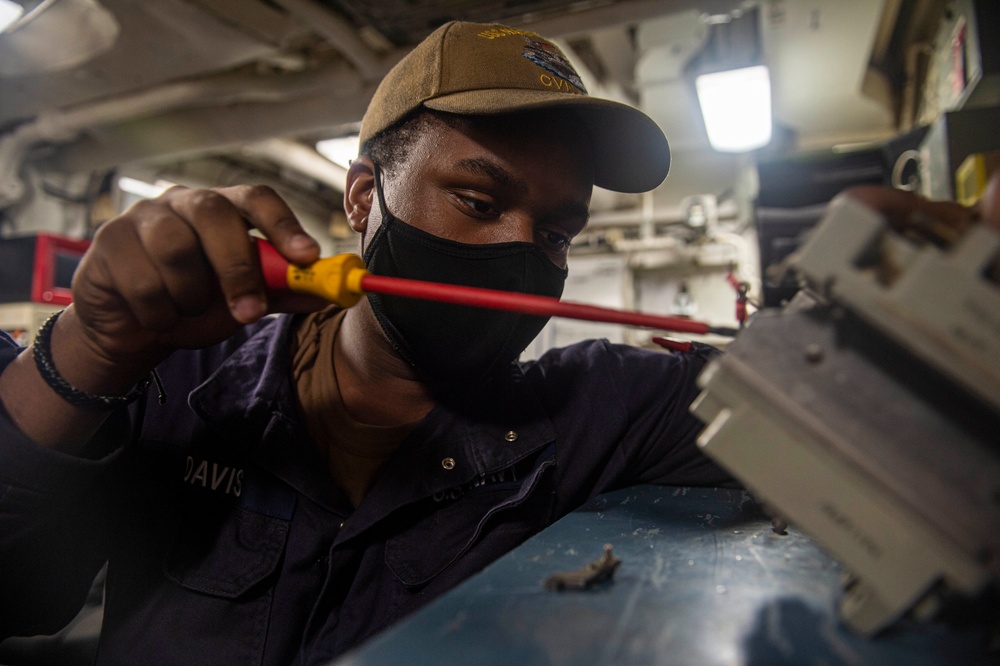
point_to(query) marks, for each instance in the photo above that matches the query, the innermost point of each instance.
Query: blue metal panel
(704, 580)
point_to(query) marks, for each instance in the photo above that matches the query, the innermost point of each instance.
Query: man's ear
(359, 193)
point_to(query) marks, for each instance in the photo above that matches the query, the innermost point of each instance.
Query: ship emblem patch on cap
(549, 58)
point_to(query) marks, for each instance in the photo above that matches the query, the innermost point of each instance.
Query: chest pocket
(434, 542)
(224, 549)
(227, 556)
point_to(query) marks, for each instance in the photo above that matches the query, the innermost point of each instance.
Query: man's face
(495, 181)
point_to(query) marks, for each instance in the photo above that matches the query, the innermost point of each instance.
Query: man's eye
(556, 241)
(481, 206)
(484, 207)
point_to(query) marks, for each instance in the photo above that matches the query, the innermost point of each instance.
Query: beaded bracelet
(46, 368)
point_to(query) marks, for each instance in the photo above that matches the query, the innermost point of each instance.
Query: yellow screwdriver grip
(337, 279)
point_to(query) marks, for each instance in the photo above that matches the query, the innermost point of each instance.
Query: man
(312, 478)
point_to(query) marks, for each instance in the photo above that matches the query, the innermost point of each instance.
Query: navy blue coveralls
(227, 541)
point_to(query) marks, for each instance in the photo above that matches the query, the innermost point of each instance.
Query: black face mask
(448, 342)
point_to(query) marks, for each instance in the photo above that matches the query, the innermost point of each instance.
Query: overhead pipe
(341, 35)
(301, 158)
(187, 132)
(63, 126)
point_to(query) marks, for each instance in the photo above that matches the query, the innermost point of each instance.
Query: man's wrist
(82, 363)
(42, 353)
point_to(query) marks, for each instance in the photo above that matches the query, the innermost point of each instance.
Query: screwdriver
(343, 279)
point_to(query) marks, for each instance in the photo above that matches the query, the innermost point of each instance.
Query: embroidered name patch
(214, 476)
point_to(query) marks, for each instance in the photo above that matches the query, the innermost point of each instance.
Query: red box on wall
(39, 268)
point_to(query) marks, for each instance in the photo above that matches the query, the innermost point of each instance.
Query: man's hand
(900, 207)
(177, 271)
(988, 208)
(181, 271)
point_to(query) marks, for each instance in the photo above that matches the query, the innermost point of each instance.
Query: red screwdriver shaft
(525, 303)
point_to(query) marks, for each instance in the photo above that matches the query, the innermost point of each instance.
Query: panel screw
(814, 353)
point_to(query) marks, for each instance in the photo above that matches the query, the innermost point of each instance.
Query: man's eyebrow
(493, 171)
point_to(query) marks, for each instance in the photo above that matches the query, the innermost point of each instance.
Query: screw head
(814, 353)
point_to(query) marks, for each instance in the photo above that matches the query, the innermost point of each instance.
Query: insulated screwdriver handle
(337, 278)
(343, 279)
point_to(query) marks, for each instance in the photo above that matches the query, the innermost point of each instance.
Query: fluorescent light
(736, 106)
(142, 189)
(10, 11)
(340, 150)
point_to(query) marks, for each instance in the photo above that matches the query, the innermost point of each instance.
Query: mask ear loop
(377, 170)
(383, 209)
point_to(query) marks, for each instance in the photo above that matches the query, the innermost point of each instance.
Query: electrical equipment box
(39, 268)
(866, 412)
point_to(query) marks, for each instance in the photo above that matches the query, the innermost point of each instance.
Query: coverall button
(510, 436)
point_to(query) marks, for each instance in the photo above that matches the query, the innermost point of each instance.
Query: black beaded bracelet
(42, 351)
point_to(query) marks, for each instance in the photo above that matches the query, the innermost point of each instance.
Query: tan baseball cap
(489, 69)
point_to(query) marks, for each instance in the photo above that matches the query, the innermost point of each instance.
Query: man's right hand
(181, 271)
(178, 271)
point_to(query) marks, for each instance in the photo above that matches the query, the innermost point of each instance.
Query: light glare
(9, 13)
(340, 150)
(142, 189)
(736, 106)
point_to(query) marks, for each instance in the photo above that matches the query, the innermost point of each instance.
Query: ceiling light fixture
(10, 11)
(736, 107)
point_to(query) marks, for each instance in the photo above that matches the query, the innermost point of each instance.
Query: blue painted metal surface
(704, 580)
